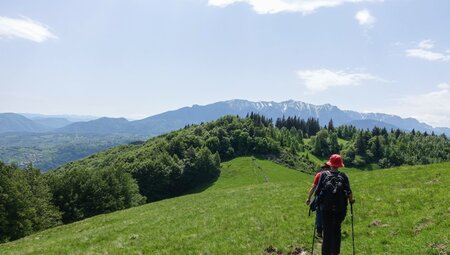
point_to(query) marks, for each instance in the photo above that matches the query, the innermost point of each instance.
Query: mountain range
(172, 120)
(12, 122)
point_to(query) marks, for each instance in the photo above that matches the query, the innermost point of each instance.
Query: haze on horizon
(139, 58)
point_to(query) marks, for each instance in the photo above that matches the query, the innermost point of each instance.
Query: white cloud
(427, 55)
(276, 6)
(24, 28)
(443, 86)
(364, 18)
(426, 44)
(432, 107)
(322, 79)
(397, 44)
(424, 51)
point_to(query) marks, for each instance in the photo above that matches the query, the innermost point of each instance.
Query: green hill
(12, 122)
(255, 204)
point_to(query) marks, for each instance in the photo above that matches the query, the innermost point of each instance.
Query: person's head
(335, 161)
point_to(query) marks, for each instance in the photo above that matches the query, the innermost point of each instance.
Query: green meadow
(256, 204)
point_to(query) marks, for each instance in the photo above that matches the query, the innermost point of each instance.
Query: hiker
(313, 204)
(333, 192)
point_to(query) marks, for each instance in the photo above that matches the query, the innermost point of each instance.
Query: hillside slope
(11, 122)
(255, 204)
(98, 126)
(53, 122)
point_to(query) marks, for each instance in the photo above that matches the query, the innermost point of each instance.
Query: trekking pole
(314, 231)
(353, 230)
(314, 235)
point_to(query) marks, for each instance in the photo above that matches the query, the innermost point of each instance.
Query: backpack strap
(327, 173)
(346, 182)
(319, 188)
(323, 177)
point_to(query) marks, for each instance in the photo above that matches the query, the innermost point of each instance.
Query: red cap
(336, 161)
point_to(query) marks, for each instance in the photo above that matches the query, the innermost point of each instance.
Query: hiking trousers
(332, 220)
(319, 221)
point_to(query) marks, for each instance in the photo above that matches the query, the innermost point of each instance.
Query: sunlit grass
(255, 204)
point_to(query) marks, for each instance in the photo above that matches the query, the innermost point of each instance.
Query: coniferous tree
(331, 125)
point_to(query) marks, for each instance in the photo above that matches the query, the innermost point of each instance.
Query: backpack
(332, 196)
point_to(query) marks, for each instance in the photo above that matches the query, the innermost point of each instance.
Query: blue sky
(138, 58)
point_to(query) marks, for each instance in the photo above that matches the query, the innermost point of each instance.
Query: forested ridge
(188, 159)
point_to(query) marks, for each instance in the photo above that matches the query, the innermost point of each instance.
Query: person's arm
(350, 198)
(313, 188)
(319, 182)
(311, 192)
(349, 190)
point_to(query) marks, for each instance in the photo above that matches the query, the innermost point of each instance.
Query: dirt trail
(258, 170)
(295, 251)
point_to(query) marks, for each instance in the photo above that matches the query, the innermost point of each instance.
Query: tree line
(395, 148)
(364, 148)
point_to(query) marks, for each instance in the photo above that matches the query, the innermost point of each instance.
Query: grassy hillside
(255, 204)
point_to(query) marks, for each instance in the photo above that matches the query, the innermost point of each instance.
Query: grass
(342, 142)
(314, 158)
(255, 204)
